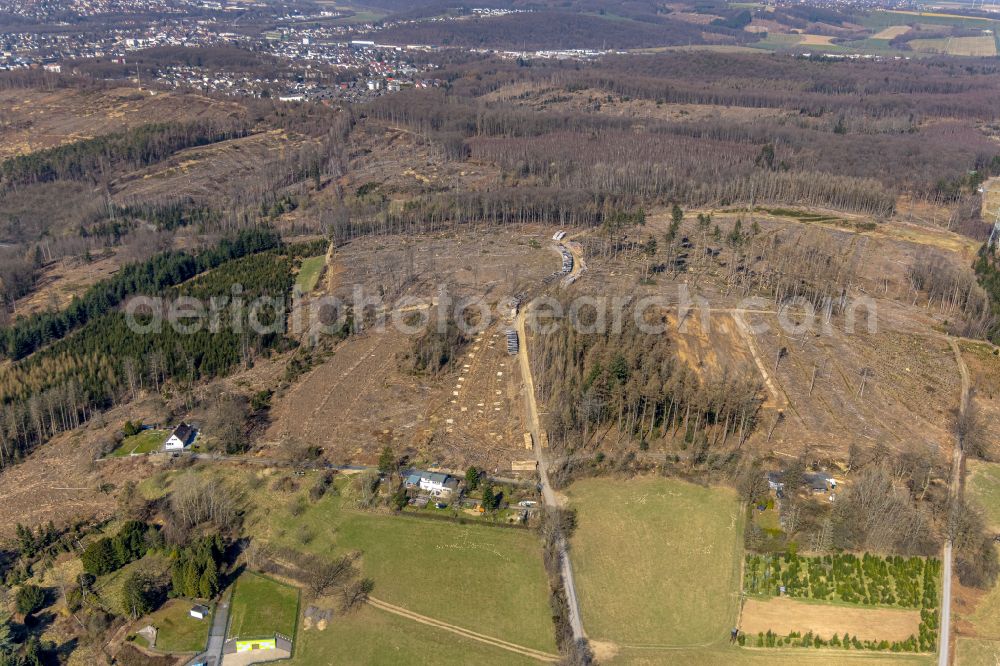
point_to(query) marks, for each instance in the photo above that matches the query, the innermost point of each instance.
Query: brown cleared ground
(63, 280)
(364, 396)
(542, 97)
(208, 172)
(35, 119)
(783, 616)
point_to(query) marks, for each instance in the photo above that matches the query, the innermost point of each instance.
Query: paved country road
(548, 495)
(944, 649)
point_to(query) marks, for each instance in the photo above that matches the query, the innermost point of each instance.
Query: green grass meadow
(657, 561)
(983, 488)
(977, 652)
(109, 586)
(146, 441)
(371, 636)
(262, 607)
(176, 630)
(487, 579)
(309, 273)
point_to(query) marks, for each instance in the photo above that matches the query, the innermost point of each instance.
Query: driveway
(217, 634)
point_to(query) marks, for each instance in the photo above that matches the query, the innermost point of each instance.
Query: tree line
(150, 277)
(90, 159)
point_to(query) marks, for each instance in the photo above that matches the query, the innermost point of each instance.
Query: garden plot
(147, 441)
(176, 630)
(785, 616)
(904, 590)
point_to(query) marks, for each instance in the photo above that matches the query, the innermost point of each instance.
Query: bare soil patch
(63, 280)
(784, 615)
(32, 120)
(207, 172)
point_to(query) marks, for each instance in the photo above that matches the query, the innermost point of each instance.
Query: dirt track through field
(466, 633)
(783, 616)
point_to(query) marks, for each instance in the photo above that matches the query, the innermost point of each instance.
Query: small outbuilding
(199, 612)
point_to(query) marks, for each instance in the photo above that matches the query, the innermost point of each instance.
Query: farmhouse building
(180, 438)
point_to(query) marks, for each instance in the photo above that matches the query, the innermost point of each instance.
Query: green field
(657, 561)
(146, 441)
(309, 273)
(975, 652)
(492, 577)
(262, 607)
(883, 19)
(371, 636)
(959, 46)
(176, 630)
(984, 489)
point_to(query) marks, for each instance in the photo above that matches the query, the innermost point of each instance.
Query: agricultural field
(176, 630)
(146, 441)
(656, 561)
(958, 46)
(891, 32)
(262, 607)
(766, 657)
(793, 617)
